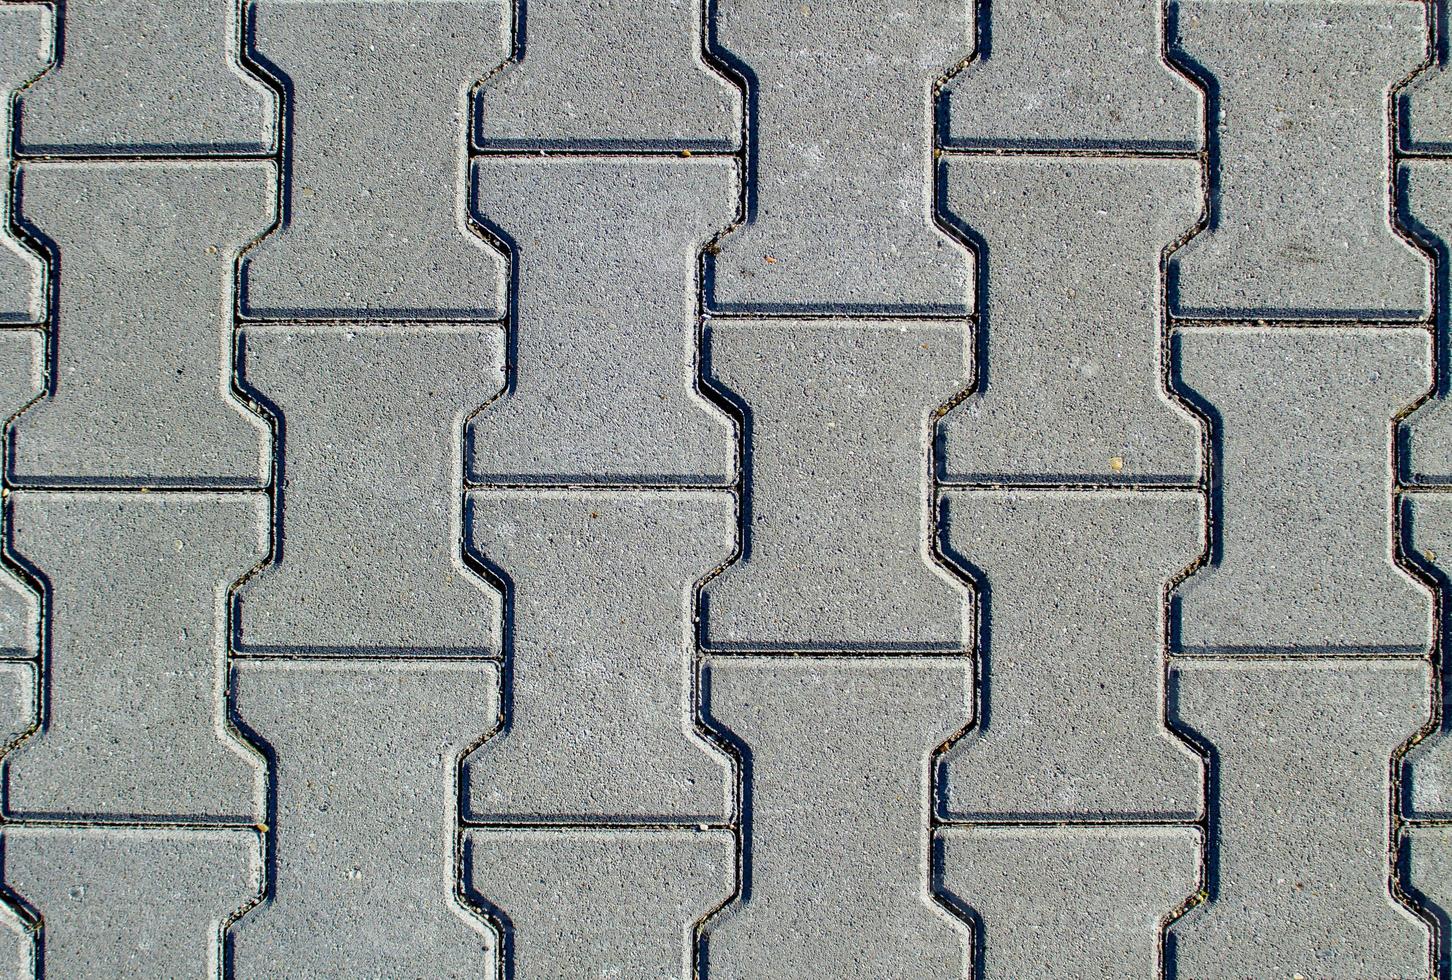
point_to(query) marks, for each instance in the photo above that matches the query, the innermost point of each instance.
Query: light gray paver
(134, 715)
(133, 902)
(836, 549)
(367, 555)
(20, 381)
(1424, 106)
(1299, 222)
(1430, 860)
(603, 349)
(1080, 902)
(610, 75)
(1073, 76)
(1298, 854)
(1428, 529)
(143, 330)
(26, 40)
(362, 871)
(1427, 432)
(1072, 719)
(375, 222)
(600, 667)
(602, 903)
(141, 77)
(1069, 385)
(18, 704)
(1301, 560)
(835, 831)
(839, 209)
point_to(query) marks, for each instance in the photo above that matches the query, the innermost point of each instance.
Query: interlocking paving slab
(726, 490)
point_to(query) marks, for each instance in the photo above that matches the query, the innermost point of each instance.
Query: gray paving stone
(363, 867)
(20, 381)
(1072, 76)
(1072, 692)
(602, 903)
(140, 77)
(1424, 106)
(1427, 433)
(130, 902)
(1299, 207)
(610, 75)
(134, 715)
(1301, 558)
(375, 220)
(142, 350)
(835, 826)
(836, 552)
(839, 205)
(1299, 826)
(600, 667)
(26, 41)
(1069, 385)
(1428, 528)
(1080, 902)
(367, 554)
(603, 341)
(1430, 860)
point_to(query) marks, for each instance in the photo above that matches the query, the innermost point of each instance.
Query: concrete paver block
(134, 720)
(367, 553)
(1298, 854)
(27, 39)
(1302, 558)
(619, 303)
(1072, 76)
(835, 883)
(606, 902)
(375, 218)
(1085, 902)
(362, 877)
(1072, 707)
(600, 669)
(839, 210)
(142, 903)
(835, 554)
(1069, 385)
(142, 366)
(147, 78)
(611, 75)
(1299, 199)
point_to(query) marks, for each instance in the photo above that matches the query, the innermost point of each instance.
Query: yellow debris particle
(1116, 463)
(770, 259)
(685, 153)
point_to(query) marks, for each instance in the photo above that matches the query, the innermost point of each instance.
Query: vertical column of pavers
(838, 325)
(1302, 640)
(600, 492)
(365, 646)
(136, 481)
(1071, 490)
(1425, 189)
(26, 35)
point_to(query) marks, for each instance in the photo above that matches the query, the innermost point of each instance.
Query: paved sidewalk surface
(726, 489)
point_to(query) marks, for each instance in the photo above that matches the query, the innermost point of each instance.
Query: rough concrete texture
(1302, 556)
(1088, 75)
(835, 546)
(1299, 216)
(726, 490)
(1082, 902)
(558, 896)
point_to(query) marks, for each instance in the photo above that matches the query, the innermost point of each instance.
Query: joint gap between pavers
(602, 151)
(611, 486)
(1298, 655)
(546, 824)
(1139, 485)
(849, 315)
(111, 821)
(1106, 152)
(1033, 822)
(422, 656)
(1180, 323)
